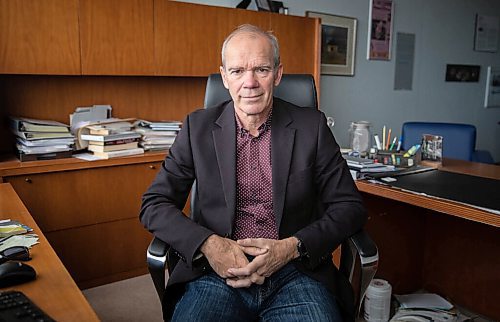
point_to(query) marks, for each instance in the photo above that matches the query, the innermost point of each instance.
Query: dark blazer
(314, 196)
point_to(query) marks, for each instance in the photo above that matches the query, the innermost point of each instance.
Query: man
(275, 199)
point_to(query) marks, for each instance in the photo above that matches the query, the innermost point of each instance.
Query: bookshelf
(145, 59)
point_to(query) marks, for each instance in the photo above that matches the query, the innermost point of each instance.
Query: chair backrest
(459, 140)
(298, 89)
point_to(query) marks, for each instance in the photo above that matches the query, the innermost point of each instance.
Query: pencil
(383, 137)
(388, 139)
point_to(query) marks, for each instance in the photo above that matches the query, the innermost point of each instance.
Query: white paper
(423, 300)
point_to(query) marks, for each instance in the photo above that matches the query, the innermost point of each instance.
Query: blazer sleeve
(343, 212)
(162, 203)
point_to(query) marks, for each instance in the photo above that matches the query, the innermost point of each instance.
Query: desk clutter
(93, 130)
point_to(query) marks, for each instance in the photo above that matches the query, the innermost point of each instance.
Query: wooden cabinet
(117, 37)
(197, 32)
(39, 37)
(89, 210)
(198, 45)
(90, 217)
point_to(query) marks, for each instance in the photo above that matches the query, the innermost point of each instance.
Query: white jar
(378, 301)
(360, 137)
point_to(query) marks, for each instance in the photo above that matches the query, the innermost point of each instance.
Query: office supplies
(16, 306)
(399, 145)
(412, 151)
(388, 139)
(383, 137)
(377, 141)
(13, 273)
(393, 142)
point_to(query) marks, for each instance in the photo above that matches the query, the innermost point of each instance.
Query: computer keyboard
(16, 306)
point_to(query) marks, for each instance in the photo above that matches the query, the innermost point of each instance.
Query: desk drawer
(68, 199)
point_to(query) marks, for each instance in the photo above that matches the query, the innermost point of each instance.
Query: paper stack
(41, 139)
(157, 135)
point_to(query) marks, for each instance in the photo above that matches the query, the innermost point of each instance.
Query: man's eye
(236, 72)
(262, 70)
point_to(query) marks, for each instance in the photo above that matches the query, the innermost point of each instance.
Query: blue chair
(459, 140)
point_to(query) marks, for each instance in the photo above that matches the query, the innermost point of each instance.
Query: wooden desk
(438, 245)
(54, 291)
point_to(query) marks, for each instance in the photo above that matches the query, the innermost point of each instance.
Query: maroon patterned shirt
(254, 189)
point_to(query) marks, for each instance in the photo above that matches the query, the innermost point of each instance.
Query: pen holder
(391, 157)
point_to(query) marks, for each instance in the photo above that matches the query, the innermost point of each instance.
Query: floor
(134, 299)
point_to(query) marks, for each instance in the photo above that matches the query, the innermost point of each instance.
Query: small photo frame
(338, 43)
(263, 5)
(380, 29)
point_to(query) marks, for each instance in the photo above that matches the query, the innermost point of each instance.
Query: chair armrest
(365, 246)
(157, 263)
(361, 246)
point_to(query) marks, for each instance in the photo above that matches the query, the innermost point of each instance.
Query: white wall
(444, 32)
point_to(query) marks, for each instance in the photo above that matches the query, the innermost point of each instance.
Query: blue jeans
(288, 295)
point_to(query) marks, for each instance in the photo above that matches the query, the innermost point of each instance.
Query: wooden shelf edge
(10, 166)
(440, 205)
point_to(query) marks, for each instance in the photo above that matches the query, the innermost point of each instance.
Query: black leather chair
(357, 249)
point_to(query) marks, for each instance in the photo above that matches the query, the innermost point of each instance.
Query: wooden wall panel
(462, 263)
(297, 44)
(55, 97)
(39, 37)
(117, 37)
(100, 252)
(198, 45)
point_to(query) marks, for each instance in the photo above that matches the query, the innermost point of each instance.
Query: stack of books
(41, 139)
(113, 140)
(157, 135)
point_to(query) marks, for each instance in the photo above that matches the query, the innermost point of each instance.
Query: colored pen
(388, 139)
(383, 137)
(393, 142)
(399, 146)
(377, 141)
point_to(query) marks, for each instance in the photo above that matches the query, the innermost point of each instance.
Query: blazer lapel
(281, 155)
(224, 137)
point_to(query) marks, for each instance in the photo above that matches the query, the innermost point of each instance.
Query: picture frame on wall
(380, 20)
(338, 43)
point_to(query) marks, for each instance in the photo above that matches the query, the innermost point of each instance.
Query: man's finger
(239, 283)
(253, 242)
(254, 251)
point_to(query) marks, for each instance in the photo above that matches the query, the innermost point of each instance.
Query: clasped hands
(228, 258)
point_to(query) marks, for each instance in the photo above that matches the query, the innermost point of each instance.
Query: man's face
(249, 73)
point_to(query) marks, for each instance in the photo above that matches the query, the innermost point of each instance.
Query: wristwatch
(301, 248)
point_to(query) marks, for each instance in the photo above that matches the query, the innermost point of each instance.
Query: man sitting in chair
(275, 198)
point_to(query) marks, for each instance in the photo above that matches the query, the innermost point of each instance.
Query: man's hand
(270, 256)
(223, 253)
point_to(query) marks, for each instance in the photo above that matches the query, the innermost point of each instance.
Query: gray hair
(247, 28)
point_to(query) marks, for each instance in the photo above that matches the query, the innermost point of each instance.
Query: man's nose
(250, 79)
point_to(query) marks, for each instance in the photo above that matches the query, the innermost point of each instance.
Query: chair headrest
(298, 89)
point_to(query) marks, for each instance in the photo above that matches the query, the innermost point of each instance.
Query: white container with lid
(378, 301)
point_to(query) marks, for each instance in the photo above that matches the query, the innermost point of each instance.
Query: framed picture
(380, 29)
(338, 43)
(492, 95)
(263, 5)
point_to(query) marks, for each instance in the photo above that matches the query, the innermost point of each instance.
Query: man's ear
(223, 74)
(279, 74)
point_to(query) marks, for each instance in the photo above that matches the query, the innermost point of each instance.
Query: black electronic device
(16, 306)
(13, 273)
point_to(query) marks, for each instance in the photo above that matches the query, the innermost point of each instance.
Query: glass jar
(360, 137)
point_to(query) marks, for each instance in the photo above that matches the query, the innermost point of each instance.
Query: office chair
(299, 90)
(459, 140)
